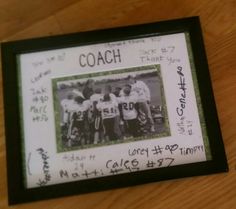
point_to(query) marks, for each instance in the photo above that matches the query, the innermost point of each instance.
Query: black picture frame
(17, 193)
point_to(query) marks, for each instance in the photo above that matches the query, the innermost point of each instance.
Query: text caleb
(100, 58)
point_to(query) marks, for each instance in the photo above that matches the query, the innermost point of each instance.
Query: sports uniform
(78, 116)
(130, 113)
(94, 100)
(108, 111)
(66, 105)
(142, 91)
(144, 97)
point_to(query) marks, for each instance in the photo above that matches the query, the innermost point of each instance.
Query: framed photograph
(111, 108)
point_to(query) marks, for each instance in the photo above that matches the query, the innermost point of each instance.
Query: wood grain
(27, 19)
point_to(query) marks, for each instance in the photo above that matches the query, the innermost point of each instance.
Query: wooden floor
(27, 19)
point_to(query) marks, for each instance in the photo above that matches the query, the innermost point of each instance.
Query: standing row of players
(94, 114)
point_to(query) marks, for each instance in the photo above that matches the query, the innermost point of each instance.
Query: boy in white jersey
(129, 110)
(107, 109)
(66, 104)
(143, 99)
(108, 90)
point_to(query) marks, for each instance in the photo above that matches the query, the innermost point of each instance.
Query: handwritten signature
(183, 90)
(45, 167)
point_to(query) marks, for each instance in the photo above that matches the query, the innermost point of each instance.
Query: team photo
(109, 108)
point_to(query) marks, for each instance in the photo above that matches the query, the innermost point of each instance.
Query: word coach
(106, 57)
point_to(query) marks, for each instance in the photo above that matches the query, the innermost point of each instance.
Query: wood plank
(16, 15)
(105, 14)
(41, 18)
(46, 27)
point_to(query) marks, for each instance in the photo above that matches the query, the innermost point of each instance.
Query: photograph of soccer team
(109, 108)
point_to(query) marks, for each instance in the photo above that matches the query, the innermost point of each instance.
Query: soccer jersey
(128, 106)
(107, 108)
(78, 111)
(142, 90)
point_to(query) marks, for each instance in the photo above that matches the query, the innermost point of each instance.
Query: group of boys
(102, 116)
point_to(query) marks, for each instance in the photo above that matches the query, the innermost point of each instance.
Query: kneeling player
(108, 110)
(129, 111)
